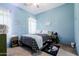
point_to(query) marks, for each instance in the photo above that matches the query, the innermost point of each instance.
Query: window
(5, 19)
(32, 25)
(1, 17)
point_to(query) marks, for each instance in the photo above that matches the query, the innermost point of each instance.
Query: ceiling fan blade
(27, 4)
(31, 4)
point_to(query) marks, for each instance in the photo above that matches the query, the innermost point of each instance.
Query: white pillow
(38, 32)
(44, 32)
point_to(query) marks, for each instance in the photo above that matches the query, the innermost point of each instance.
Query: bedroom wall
(20, 21)
(61, 20)
(76, 21)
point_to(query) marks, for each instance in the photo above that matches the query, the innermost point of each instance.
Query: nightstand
(14, 41)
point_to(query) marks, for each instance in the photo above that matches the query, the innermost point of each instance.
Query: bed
(35, 41)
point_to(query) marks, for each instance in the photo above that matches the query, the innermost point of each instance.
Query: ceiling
(34, 9)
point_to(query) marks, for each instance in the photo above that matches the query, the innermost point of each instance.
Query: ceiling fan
(32, 4)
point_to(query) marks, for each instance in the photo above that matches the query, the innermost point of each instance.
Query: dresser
(3, 45)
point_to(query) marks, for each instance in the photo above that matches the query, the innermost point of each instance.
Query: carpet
(19, 51)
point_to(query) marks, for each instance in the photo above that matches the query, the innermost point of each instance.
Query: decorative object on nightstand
(14, 41)
(55, 37)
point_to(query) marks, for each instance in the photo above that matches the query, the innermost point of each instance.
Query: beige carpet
(63, 52)
(19, 51)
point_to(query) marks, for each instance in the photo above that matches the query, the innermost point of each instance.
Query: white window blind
(32, 25)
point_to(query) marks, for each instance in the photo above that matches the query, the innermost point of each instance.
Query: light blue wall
(20, 21)
(76, 21)
(61, 20)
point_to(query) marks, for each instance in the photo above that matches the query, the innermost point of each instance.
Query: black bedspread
(31, 41)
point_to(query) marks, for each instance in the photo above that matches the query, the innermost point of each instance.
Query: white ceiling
(42, 7)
